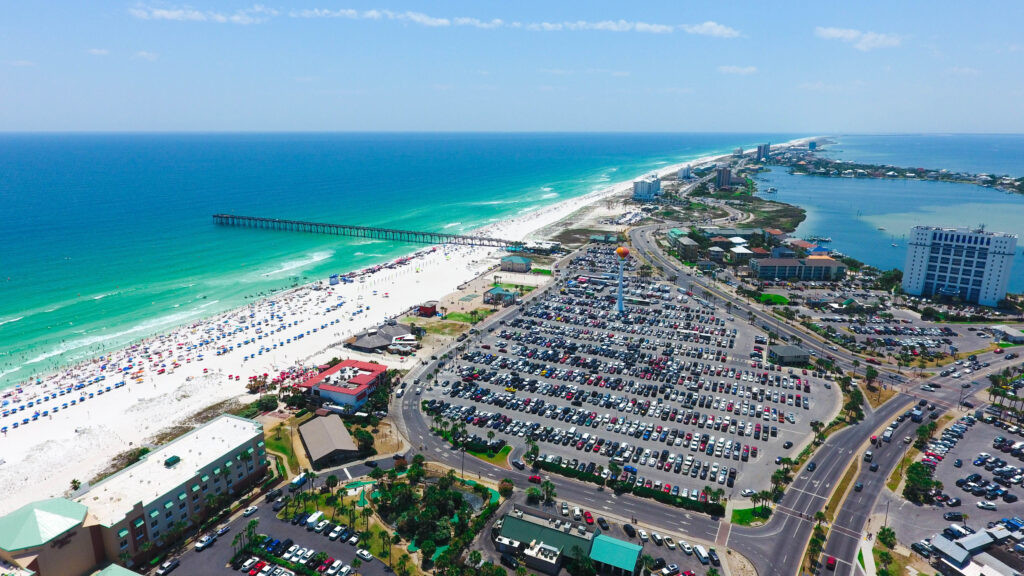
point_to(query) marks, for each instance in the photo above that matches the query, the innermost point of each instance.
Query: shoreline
(170, 377)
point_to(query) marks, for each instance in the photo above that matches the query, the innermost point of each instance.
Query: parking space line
(347, 473)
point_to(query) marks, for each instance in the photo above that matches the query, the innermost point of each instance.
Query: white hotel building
(646, 188)
(971, 264)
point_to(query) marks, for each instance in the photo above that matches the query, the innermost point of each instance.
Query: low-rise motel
(127, 517)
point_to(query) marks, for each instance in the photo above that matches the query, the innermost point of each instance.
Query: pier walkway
(409, 236)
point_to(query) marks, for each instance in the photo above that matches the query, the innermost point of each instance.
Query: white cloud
(711, 28)
(862, 41)
(600, 26)
(259, 13)
(475, 23)
(99, 51)
(253, 15)
(739, 70)
(144, 55)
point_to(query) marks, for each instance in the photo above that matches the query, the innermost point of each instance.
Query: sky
(392, 65)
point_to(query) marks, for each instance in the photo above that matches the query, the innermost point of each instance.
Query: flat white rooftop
(150, 479)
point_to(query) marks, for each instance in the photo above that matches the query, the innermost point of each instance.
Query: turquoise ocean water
(854, 211)
(109, 238)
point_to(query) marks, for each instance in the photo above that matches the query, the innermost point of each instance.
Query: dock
(389, 234)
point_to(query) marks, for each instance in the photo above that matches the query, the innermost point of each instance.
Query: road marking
(347, 473)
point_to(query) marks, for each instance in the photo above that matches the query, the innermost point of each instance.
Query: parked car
(250, 511)
(205, 542)
(168, 567)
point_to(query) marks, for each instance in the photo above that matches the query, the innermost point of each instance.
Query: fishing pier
(389, 234)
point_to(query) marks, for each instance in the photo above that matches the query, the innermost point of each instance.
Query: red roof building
(347, 383)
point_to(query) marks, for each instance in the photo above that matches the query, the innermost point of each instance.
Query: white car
(986, 505)
(250, 511)
(364, 554)
(335, 568)
(289, 555)
(686, 548)
(747, 492)
(205, 542)
(643, 535)
(305, 557)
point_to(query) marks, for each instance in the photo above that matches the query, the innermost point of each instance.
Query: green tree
(427, 549)
(887, 536)
(357, 563)
(474, 558)
(75, 484)
(547, 487)
(364, 440)
(870, 374)
(533, 494)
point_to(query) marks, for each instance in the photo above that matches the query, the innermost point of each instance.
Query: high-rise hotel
(971, 264)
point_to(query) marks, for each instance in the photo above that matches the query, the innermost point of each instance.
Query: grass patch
(468, 319)
(541, 271)
(860, 559)
(878, 396)
(499, 459)
(282, 445)
(840, 492)
(897, 474)
(899, 561)
(750, 516)
(776, 299)
(525, 289)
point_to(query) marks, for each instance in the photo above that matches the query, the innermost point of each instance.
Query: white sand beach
(169, 378)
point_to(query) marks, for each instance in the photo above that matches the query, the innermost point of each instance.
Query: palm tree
(819, 517)
(547, 487)
(366, 513)
(250, 531)
(474, 558)
(385, 542)
(236, 543)
(124, 557)
(356, 564)
(765, 496)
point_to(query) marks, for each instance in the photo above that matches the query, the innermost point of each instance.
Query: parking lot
(914, 523)
(677, 391)
(214, 561)
(666, 548)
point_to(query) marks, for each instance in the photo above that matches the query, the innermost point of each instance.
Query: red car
(535, 479)
(588, 517)
(256, 569)
(831, 563)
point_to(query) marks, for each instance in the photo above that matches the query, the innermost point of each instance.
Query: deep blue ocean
(109, 238)
(866, 217)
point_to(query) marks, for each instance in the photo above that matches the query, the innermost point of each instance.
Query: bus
(702, 554)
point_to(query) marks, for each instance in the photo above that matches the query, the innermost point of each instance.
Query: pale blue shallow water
(851, 210)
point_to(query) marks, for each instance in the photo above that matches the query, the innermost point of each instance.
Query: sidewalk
(869, 559)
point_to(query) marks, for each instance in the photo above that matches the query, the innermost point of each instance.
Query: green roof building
(48, 537)
(545, 543)
(614, 556)
(516, 264)
(37, 523)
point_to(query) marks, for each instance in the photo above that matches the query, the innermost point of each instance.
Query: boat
(881, 228)
(895, 245)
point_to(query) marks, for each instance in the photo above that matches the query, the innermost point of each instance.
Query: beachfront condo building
(131, 516)
(973, 265)
(684, 173)
(646, 188)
